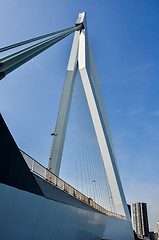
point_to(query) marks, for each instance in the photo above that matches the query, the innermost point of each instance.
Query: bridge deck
(48, 176)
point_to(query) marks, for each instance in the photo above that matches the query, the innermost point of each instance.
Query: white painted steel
(81, 49)
(28, 216)
(97, 110)
(24, 215)
(80, 19)
(52, 178)
(62, 119)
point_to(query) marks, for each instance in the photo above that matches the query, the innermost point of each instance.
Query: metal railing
(40, 170)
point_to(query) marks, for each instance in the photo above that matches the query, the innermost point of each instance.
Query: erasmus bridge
(35, 202)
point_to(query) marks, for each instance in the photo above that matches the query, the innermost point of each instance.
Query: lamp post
(94, 181)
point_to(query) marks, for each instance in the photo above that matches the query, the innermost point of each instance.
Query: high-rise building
(140, 219)
(158, 229)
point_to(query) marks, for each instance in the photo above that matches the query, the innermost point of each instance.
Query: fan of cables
(87, 173)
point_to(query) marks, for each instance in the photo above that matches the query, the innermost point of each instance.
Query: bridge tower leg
(63, 114)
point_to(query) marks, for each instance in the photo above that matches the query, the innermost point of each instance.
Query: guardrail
(52, 178)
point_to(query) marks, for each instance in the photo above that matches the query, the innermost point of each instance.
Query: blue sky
(124, 38)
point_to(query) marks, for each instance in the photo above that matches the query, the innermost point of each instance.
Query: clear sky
(124, 36)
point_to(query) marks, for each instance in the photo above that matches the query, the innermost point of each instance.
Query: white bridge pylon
(81, 58)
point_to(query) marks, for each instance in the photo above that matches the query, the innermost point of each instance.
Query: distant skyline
(124, 37)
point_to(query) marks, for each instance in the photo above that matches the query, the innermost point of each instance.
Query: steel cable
(33, 40)
(15, 60)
